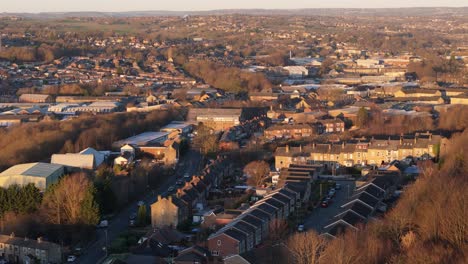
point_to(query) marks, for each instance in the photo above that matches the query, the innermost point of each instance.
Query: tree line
(38, 141)
(230, 79)
(69, 203)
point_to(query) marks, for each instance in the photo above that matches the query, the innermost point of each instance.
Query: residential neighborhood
(234, 136)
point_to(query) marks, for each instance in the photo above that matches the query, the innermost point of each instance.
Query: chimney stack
(287, 148)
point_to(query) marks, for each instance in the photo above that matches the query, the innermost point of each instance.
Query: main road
(190, 163)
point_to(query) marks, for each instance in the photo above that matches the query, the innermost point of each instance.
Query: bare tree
(70, 201)
(278, 230)
(306, 247)
(257, 172)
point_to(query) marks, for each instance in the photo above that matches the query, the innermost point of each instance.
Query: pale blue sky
(196, 5)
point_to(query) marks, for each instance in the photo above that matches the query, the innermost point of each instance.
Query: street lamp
(105, 246)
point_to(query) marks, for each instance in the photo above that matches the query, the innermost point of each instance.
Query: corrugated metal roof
(74, 160)
(142, 139)
(37, 169)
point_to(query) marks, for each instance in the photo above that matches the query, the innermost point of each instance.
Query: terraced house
(363, 151)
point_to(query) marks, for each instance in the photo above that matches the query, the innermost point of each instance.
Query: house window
(218, 242)
(215, 253)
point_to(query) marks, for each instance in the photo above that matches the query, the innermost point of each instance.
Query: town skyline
(29, 6)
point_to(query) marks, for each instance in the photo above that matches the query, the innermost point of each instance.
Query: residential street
(320, 217)
(95, 253)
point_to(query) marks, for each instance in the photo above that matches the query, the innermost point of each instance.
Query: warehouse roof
(142, 139)
(37, 169)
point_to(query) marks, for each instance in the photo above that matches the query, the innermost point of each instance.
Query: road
(119, 223)
(320, 217)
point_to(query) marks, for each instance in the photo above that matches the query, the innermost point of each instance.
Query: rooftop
(37, 169)
(142, 139)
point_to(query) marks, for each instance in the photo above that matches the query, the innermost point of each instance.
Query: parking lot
(320, 217)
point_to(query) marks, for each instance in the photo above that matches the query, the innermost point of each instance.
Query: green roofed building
(42, 175)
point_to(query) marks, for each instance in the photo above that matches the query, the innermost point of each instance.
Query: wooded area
(38, 141)
(230, 79)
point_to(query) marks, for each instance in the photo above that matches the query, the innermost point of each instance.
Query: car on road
(71, 258)
(300, 228)
(132, 216)
(180, 183)
(326, 202)
(171, 189)
(103, 224)
(338, 186)
(332, 192)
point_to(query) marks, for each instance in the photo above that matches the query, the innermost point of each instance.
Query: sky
(35, 6)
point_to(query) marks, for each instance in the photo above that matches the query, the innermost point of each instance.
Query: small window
(218, 242)
(214, 253)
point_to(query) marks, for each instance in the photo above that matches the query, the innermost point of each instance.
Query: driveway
(320, 217)
(95, 253)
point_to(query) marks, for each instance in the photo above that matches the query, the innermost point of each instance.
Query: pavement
(321, 217)
(191, 163)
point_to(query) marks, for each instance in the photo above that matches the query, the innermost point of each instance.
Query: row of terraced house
(362, 151)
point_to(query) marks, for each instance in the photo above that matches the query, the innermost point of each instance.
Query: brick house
(168, 212)
(229, 242)
(333, 125)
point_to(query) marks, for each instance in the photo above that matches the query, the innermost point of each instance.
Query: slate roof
(359, 208)
(267, 209)
(29, 243)
(237, 235)
(337, 229)
(371, 189)
(252, 220)
(366, 198)
(352, 218)
(260, 214)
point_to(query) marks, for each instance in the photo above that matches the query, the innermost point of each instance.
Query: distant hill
(414, 11)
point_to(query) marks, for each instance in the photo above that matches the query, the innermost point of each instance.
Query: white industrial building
(42, 175)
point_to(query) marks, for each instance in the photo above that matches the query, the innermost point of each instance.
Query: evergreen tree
(89, 208)
(362, 117)
(141, 217)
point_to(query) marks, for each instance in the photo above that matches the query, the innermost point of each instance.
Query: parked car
(187, 177)
(71, 258)
(332, 192)
(180, 183)
(300, 228)
(171, 189)
(132, 216)
(325, 203)
(103, 224)
(338, 186)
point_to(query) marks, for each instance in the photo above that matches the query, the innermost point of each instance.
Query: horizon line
(235, 9)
